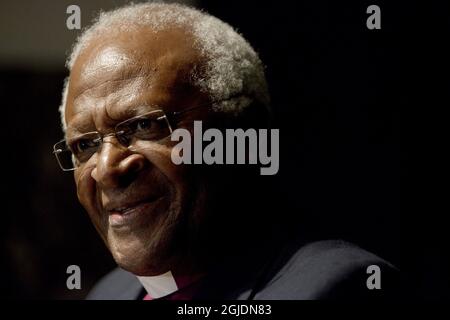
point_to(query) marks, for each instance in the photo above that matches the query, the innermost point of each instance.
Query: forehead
(117, 75)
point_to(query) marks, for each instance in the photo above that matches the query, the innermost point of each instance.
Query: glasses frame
(57, 150)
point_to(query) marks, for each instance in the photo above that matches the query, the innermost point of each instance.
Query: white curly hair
(233, 68)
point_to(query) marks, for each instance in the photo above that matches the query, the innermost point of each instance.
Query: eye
(84, 148)
(143, 124)
(152, 126)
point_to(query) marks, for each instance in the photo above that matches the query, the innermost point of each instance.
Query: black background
(361, 118)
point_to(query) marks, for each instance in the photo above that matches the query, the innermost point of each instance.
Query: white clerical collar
(159, 286)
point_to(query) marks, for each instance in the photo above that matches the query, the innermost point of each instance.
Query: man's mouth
(131, 213)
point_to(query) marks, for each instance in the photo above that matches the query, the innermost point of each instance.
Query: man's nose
(116, 165)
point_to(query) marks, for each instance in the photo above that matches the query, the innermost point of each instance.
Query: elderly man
(185, 231)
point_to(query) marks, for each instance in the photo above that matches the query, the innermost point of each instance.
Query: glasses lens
(85, 146)
(64, 156)
(152, 127)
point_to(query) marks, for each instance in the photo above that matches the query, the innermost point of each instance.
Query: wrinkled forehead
(164, 59)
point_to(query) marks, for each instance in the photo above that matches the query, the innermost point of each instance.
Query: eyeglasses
(152, 126)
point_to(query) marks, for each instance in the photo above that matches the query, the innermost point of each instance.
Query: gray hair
(233, 68)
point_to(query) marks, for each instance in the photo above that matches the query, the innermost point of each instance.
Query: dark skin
(118, 76)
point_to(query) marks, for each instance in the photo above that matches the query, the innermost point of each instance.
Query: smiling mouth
(130, 214)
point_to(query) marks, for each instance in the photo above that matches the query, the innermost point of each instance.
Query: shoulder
(331, 269)
(116, 285)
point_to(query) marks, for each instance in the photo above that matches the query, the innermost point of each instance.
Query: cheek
(86, 190)
(159, 155)
(180, 178)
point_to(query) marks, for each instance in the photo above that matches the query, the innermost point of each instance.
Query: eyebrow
(133, 111)
(80, 126)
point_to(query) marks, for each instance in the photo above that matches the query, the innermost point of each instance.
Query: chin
(141, 262)
(143, 269)
(143, 253)
(148, 248)
(155, 248)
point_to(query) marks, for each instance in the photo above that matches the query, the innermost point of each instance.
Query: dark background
(361, 118)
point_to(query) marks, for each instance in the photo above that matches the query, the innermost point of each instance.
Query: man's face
(142, 204)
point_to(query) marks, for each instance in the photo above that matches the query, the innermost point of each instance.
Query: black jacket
(330, 269)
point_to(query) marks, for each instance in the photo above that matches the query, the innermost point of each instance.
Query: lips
(132, 212)
(126, 209)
